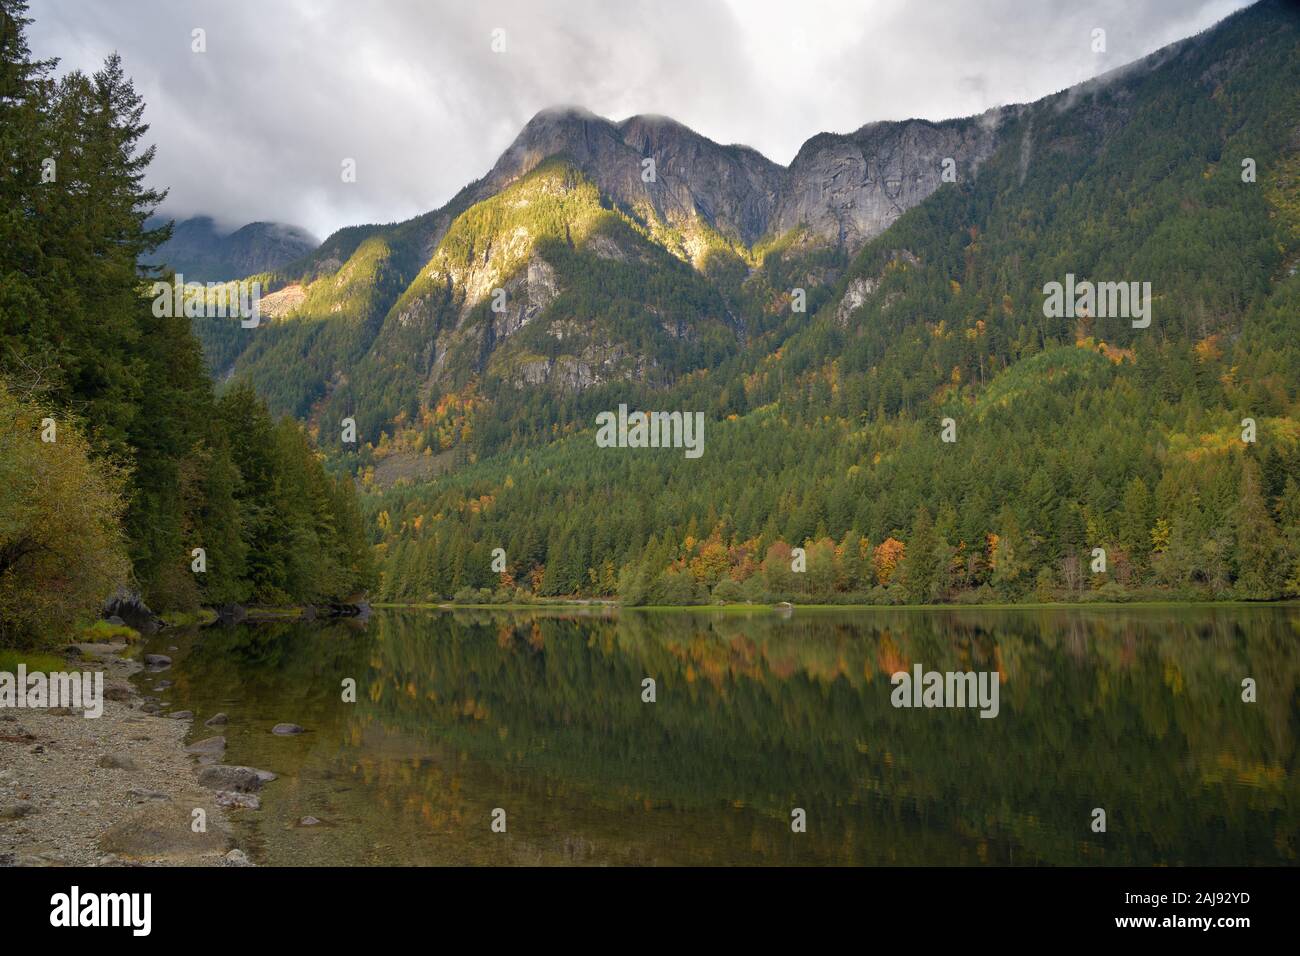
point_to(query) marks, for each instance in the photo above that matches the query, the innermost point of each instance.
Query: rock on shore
(114, 790)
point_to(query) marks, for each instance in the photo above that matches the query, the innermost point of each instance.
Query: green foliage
(1072, 434)
(102, 632)
(61, 548)
(78, 337)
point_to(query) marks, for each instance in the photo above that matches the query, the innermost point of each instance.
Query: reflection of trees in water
(1138, 711)
(266, 673)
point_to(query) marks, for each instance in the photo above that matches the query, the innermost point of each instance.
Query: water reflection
(1138, 711)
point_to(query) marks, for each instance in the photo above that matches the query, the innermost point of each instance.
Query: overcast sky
(258, 125)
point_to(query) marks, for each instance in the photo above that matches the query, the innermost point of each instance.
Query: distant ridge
(202, 252)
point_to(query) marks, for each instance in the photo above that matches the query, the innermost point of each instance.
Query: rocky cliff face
(849, 189)
(731, 188)
(843, 188)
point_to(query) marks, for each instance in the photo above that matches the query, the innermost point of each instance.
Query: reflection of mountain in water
(1135, 711)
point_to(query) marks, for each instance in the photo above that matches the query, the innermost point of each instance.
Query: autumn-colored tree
(710, 563)
(885, 559)
(743, 560)
(61, 546)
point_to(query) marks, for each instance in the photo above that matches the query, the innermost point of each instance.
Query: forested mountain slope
(1071, 434)
(746, 225)
(826, 428)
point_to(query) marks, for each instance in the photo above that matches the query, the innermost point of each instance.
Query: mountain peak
(205, 253)
(563, 111)
(844, 188)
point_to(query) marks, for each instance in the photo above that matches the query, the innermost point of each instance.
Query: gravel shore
(119, 789)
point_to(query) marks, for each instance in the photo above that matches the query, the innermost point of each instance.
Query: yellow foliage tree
(886, 557)
(62, 551)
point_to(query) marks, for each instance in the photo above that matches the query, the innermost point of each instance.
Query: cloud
(257, 127)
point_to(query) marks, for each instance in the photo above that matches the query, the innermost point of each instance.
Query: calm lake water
(1137, 711)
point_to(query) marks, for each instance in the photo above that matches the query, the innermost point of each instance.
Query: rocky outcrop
(860, 289)
(128, 606)
(163, 832)
(527, 294)
(733, 188)
(854, 296)
(844, 188)
(593, 365)
(849, 189)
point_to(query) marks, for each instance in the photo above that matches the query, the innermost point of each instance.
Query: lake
(1134, 711)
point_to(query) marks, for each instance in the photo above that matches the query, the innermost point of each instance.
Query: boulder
(163, 831)
(233, 800)
(223, 777)
(209, 745)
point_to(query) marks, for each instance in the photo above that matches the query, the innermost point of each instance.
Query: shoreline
(264, 614)
(120, 789)
(559, 603)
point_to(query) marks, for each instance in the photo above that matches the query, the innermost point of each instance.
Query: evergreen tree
(1258, 552)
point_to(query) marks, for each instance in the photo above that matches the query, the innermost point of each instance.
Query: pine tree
(1257, 546)
(920, 570)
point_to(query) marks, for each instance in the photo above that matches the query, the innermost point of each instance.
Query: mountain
(844, 189)
(828, 427)
(199, 251)
(738, 222)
